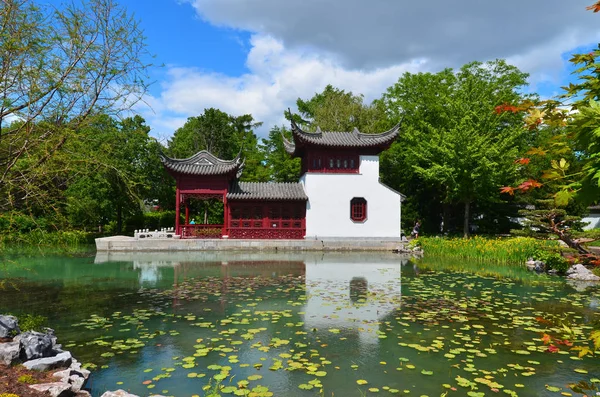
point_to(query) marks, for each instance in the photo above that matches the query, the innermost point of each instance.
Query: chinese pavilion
(338, 195)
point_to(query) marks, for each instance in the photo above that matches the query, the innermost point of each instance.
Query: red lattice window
(358, 209)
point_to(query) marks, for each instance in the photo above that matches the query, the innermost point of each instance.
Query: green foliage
(497, 250)
(159, 219)
(281, 166)
(41, 238)
(338, 110)
(62, 65)
(9, 395)
(552, 259)
(30, 322)
(27, 379)
(454, 149)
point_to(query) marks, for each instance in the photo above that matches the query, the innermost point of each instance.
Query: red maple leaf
(594, 7)
(553, 349)
(529, 184)
(522, 160)
(546, 339)
(507, 189)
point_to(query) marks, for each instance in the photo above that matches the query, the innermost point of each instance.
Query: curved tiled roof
(353, 139)
(202, 163)
(266, 191)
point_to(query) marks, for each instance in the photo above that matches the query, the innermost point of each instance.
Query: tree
(454, 145)
(224, 136)
(281, 166)
(60, 68)
(338, 110)
(116, 173)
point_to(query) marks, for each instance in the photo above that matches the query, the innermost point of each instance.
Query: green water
(296, 324)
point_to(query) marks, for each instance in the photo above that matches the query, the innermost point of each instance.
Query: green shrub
(553, 260)
(28, 379)
(30, 322)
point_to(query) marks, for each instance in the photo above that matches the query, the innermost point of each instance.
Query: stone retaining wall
(124, 243)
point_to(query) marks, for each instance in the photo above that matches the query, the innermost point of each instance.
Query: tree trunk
(445, 218)
(466, 221)
(119, 218)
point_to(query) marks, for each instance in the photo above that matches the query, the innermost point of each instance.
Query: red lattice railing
(266, 233)
(201, 231)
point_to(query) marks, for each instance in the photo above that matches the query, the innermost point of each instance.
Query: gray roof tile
(353, 139)
(266, 191)
(202, 163)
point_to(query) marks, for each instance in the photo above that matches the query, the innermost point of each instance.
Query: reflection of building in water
(349, 292)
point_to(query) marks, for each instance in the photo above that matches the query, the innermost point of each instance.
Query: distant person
(192, 222)
(416, 229)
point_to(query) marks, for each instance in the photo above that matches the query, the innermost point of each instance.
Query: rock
(76, 382)
(9, 352)
(581, 286)
(83, 393)
(553, 272)
(55, 389)
(63, 375)
(9, 326)
(118, 393)
(540, 266)
(580, 272)
(530, 265)
(36, 345)
(47, 363)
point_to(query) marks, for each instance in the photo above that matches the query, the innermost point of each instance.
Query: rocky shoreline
(39, 351)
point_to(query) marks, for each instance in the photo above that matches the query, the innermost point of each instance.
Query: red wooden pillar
(225, 230)
(177, 204)
(187, 213)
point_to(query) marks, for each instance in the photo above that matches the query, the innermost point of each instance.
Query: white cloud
(276, 78)
(299, 46)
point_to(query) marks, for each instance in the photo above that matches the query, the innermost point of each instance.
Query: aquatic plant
(496, 250)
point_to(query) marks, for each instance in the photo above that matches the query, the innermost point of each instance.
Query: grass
(35, 240)
(513, 250)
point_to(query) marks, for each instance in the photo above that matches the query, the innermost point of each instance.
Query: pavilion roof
(203, 163)
(266, 191)
(333, 139)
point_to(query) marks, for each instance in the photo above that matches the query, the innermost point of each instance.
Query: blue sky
(258, 56)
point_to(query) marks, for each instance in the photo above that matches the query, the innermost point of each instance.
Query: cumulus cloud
(371, 34)
(299, 46)
(276, 78)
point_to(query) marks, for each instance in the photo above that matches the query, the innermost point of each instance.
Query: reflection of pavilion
(351, 292)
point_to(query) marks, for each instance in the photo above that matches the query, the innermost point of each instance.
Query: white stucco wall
(593, 221)
(328, 207)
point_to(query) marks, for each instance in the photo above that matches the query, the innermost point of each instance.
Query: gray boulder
(535, 266)
(9, 326)
(9, 352)
(580, 272)
(47, 363)
(36, 345)
(118, 393)
(55, 389)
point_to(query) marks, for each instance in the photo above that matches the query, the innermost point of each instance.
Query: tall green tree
(60, 68)
(280, 165)
(454, 144)
(338, 110)
(224, 136)
(116, 174)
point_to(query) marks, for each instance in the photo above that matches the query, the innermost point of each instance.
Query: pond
(308, 324)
